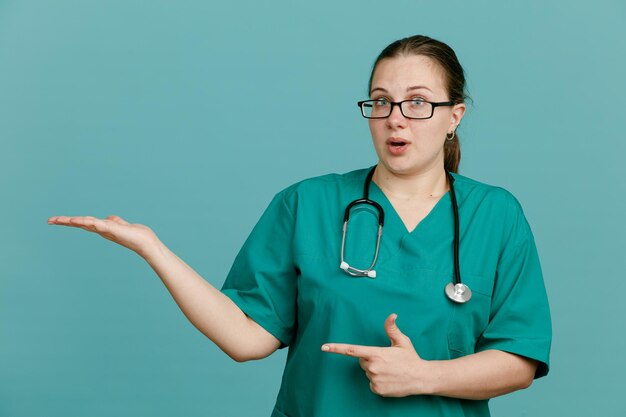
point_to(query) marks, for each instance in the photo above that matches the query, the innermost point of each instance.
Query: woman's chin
(402, 167)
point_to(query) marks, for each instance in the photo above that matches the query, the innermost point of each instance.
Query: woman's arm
(477, 376)
(398, 370)
(207, 308)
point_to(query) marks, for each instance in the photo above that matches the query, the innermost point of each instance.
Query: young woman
(403, 289)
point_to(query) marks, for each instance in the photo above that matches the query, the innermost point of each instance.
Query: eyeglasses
(411, 109)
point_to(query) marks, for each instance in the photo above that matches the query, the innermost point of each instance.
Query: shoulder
(474, 189)
(494, 202)
(331, 180)
(324, 186)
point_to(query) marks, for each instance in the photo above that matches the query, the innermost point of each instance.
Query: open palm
(114, 228)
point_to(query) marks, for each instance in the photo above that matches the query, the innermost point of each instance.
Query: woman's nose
(396, 118)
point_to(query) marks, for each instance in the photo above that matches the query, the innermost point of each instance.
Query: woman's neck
(426, 184)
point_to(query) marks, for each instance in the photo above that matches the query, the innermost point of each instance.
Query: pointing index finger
(357, 351)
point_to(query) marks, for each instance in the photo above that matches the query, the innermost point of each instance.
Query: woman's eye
(417, 102)
(381, 102)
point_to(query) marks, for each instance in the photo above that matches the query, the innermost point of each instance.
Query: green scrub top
(287, 279)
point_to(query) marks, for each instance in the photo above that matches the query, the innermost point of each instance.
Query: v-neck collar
(392, 216)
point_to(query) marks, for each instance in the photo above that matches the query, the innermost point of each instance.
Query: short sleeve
(262, 279)
(519, 320)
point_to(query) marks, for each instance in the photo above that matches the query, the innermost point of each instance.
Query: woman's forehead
(403, 72)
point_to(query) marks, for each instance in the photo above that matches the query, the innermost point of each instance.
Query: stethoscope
(456, 291)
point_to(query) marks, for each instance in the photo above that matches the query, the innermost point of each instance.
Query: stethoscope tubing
(456, 291)
(455, 210)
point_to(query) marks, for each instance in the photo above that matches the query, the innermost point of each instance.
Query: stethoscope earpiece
(370, 273)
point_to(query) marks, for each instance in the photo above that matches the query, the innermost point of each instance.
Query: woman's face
(402, 78)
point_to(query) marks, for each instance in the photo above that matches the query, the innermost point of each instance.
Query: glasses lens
(376, 108)
(417, 109)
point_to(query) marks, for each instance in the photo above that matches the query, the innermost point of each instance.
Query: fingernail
(325, 348)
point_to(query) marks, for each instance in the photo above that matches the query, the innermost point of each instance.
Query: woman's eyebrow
(415, 87)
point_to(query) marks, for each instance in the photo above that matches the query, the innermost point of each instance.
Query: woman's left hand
(394, 371)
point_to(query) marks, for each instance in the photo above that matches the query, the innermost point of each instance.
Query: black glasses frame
(399, 104)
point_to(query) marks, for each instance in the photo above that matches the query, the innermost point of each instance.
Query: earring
(450, 137)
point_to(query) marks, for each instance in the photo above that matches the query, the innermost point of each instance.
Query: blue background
(189, 116)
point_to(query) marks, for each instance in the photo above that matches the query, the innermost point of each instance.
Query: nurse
(393, 344)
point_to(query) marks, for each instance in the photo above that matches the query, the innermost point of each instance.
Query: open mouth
(397, 146)
(396, 142)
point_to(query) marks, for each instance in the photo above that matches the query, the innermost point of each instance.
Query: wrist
(152, 249)
(428, 377)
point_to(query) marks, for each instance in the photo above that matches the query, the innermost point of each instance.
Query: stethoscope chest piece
(459, 293)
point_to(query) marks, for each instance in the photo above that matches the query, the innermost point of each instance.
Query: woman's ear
(457, 114)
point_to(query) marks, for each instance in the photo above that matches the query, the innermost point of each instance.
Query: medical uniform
(287, 279)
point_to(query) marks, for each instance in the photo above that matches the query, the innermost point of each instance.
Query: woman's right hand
(135, 237)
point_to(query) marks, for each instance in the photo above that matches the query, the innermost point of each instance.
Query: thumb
(395, 335)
